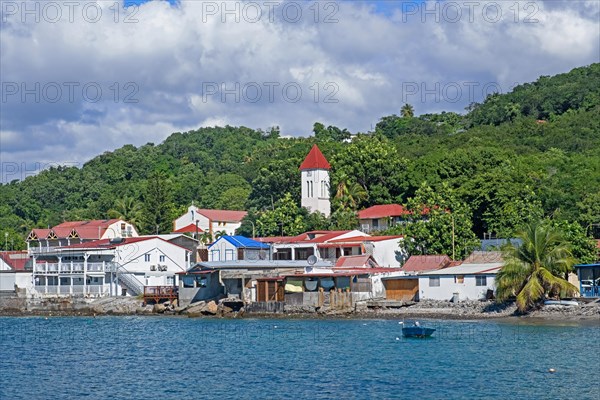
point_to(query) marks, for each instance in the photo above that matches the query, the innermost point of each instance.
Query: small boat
(561, 303)
(417, 331)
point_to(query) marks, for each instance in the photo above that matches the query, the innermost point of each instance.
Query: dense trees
(515, 157)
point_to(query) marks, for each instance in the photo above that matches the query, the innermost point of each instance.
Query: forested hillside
(517, 156)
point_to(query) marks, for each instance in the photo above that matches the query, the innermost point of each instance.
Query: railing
(75, 290)
(74, 267)
(132, 283)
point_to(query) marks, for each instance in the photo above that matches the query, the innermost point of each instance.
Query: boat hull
(417, 331)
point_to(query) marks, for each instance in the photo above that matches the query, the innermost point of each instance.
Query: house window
(481, 281)
(347, 251)
(375, 223)
(146, 257)
(459, 279)
(170, 280)
(434, 281)
(161, 258)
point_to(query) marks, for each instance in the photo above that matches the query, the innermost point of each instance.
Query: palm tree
(128, 209)
(532, 271)
(205, 238)
(350, 194)
(407, 111)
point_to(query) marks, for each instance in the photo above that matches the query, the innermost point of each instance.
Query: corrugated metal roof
(242, 242)
(468, 269)
(315, 160)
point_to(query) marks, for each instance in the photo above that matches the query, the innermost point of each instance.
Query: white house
(15, 272)
(234, 248)
(120, 266)
(200, 220)
(73, 232)
(314, 172)
(467, 281)
(331, 245)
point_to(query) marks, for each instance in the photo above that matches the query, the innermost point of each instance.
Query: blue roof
(587, 265)
(244, 242)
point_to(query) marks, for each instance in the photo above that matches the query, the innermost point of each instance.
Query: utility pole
(453, 238)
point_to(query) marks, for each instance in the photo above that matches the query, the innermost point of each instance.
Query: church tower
(314, 172)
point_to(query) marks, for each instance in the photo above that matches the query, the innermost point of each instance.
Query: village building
(589, 279)
(15, 273)
(117, 266)
(237, 248)
(197, 221)
(314, 172)
(381, 217)
(331, 245)
(74, 232)
(462, 282)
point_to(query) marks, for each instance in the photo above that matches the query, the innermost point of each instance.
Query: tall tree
(285, 219)
(158, 206)
(407, 111)
(533, 269)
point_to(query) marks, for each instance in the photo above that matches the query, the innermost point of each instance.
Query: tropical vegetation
(536, 269)
(508, 161)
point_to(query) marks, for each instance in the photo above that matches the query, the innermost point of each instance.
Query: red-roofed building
(207, 220)
(15, 272)
(314, 173)
(331, 245)
(73, 232)
(381, 217)
(418, 264)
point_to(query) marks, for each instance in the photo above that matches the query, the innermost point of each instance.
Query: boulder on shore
(210, 308)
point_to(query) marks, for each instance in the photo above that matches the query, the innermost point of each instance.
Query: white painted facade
(468, 281)
(205, 224)
(126, 268)
(389, 253)
(315, 190)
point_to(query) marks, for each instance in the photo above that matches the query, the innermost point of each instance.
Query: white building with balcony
(108, 267)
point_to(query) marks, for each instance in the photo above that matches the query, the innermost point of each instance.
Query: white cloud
(153, 73)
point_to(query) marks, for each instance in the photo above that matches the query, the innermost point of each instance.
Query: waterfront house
(118, 266)
(197, 221)
(589, 279)
(462, 282)
(233, 248)
(74, 232)
(15, 273)
(418, 264)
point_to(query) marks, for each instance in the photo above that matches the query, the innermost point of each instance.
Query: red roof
(366, 239)
(361, 261)
(15, 259)
(84, 229)
(426, 263)
(315, 160)
(382, 211)
(306, 237)
(222, 215)
(191, 228)
(598, 243)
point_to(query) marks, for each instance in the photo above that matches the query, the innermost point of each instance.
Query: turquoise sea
(180, 358)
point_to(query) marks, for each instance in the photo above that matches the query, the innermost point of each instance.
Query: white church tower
(315, 182)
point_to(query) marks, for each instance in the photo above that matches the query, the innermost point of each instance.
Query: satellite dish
(311, 260)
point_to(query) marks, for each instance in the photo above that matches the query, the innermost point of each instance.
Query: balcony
(74, 268)
(75, 290)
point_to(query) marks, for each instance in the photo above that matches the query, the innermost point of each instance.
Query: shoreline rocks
(234, 308)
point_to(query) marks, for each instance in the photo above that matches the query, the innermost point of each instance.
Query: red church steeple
(315, 160)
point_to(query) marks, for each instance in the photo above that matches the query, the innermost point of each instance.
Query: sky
(83, 77)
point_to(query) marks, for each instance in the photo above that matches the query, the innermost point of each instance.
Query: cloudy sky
(81, 77)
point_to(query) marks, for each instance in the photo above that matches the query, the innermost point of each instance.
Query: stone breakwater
(232, 308)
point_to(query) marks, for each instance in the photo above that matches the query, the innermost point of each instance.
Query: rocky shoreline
(231, 308)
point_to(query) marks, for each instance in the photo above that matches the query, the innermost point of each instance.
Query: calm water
(172, 358)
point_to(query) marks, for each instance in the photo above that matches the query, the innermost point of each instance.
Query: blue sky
(74, 89)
